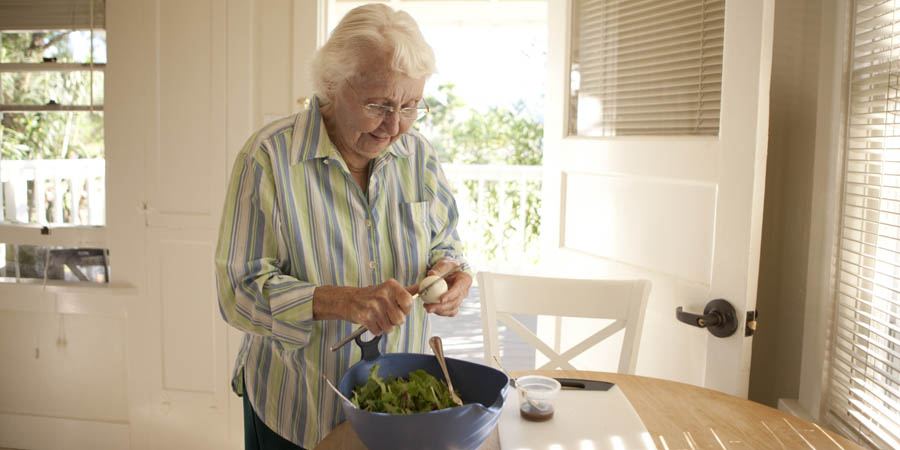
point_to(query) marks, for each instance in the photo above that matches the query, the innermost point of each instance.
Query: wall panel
(189, 315)
(670, 223)
(188, 114)
(184, 106)
(50, 366)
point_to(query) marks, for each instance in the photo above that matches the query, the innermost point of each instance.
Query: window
(486, 121)
(52, 156)
(651, 67)
(864, 390)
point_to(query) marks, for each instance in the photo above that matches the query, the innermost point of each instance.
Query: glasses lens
(409, 113)
(375, 111)
(413, 113)
(380, 111)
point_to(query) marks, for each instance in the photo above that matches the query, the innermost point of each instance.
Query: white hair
(367, 29)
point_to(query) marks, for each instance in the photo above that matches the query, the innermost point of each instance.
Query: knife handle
(359, 331)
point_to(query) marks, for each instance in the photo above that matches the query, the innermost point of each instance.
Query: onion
(433, 293)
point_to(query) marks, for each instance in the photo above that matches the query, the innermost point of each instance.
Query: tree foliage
(48, 135)
(499, 135)
(495, 229)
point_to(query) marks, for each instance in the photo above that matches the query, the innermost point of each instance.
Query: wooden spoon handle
(438, 348)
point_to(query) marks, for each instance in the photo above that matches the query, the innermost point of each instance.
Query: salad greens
(420, 393)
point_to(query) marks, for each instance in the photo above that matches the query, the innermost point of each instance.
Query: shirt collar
(308, 134)
(309, 139)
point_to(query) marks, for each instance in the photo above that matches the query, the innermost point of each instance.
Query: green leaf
(420, 393)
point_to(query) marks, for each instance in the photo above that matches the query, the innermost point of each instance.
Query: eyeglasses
(376, 111)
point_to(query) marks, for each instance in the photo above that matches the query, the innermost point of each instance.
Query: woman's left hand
(458, 286)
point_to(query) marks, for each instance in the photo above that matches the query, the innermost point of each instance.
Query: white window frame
(52, 234)
(826, 211)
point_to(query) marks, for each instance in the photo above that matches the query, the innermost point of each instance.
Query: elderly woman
(331, 218)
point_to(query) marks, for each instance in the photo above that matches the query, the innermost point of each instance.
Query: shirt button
(372, 264)
(368, 223)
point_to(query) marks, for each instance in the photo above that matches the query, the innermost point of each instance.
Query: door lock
(719, 317)
(752, 317)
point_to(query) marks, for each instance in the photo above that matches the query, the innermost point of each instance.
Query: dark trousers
(258, 436)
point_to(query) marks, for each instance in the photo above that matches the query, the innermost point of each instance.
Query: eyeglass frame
(376, 111)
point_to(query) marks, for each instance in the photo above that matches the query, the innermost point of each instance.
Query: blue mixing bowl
(482, 389)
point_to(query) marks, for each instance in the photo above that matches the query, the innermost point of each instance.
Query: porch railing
(499, 208)
(499, 204)
(53, 191)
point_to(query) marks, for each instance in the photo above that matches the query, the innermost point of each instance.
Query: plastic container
(483, 390)
(536, 397)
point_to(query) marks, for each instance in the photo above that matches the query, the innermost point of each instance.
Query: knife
(362, 329)
(587, 385)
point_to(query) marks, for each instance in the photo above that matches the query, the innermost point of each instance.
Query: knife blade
(587, 385)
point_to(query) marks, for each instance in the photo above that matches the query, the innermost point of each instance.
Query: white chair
(622, 300)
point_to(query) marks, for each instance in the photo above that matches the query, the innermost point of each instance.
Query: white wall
(146, 363)
(211, 72)
(802, 190)
(775, 370)
(63, 371)
(825, 208)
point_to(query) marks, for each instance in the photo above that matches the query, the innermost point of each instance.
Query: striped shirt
(294, 219)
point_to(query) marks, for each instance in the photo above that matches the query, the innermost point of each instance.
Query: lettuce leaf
(419, 393)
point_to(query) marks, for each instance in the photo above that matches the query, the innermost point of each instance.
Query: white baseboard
(792, 406)
(27, 432)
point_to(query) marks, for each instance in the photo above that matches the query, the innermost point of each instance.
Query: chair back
(623, 301)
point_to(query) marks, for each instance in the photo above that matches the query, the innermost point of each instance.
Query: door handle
(719, 317)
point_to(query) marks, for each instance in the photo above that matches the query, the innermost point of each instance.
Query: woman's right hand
(379, 308)
(382, 307)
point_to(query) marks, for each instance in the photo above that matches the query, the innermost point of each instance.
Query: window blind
(646, 67)
(52, 14)
(864, 389)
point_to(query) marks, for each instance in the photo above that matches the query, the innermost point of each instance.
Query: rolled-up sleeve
(254, 293)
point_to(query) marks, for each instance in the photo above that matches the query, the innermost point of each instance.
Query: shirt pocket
(415, 235)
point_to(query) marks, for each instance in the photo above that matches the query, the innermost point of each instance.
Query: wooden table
(681, 416)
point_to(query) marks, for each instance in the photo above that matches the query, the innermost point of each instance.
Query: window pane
(646, 68)
(41, 88)
(64, 45)
(7, 262)
(52, 168)
(28, 262)
(78, 264)
(51, 135)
